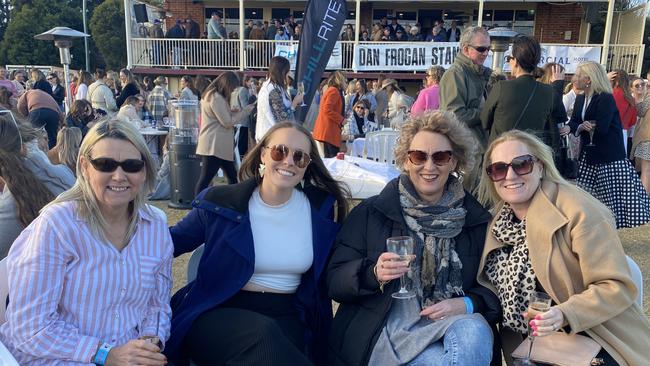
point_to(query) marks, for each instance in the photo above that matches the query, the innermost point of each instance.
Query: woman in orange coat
(331, 115)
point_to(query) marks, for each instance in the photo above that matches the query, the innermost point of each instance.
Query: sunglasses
(439, 158)
(108, 165)
(509, 58)
(639, 86)
(480, 49)
(521, 165)
(280, 152)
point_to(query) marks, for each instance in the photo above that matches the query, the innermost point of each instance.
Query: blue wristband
(469, 306)
(102, 353)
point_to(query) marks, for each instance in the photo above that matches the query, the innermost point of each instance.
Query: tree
(107, 29)
(5, 14)
(37, 16)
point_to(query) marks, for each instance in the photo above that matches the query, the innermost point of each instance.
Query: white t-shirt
(282, 237)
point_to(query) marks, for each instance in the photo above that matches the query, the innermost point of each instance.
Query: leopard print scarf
(436, 273)
(509, 270)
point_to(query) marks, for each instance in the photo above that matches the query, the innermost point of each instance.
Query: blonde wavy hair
(463, 143)
(487, 193)
(598, 76)
(68, 141)
(82, 193)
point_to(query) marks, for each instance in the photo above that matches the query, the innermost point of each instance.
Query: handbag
(560, 349)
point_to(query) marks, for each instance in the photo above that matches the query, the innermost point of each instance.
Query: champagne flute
(538, 303)
(403, 246)
(591, 133)
(301, 90)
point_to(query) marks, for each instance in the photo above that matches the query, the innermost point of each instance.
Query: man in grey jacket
(462, 88)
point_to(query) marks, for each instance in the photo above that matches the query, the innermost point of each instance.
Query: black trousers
(45, 117)
(251, 328)
(210, 167)
(330, 150)
(242, 141)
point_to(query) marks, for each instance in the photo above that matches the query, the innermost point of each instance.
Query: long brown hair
(28, 191)
(622, 80)
(316, 173)
(279, 67)
(190, 85)
(224, 84)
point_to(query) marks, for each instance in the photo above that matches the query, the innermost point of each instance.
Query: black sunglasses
(419, 157)
(280, 152)
(521, 165)
(108, 165)
(480, 49)
(508, 58)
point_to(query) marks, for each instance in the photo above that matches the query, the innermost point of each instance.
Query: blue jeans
(466, 342)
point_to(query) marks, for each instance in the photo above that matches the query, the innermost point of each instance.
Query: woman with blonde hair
(66, 150)
(449, 318)
(545, 234)
(99, 238)
(604, 170)
(130, 86)
(331, 115)
(640, 151)
(429, 97)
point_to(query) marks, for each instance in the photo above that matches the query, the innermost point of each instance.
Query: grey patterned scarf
(436, 272)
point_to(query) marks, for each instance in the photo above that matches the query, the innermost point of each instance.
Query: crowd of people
(487, 195)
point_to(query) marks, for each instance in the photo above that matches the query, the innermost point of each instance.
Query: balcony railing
(227, 54)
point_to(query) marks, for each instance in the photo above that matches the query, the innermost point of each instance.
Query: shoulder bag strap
(514, 127)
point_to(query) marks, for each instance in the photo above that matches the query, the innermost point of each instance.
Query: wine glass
(403, 246)
(301, 90)
(539, 302)
(591, 133)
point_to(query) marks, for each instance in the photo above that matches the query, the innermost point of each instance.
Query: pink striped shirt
(70, 291)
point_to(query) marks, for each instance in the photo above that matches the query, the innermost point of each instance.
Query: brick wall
(552, 21)
(181, 9)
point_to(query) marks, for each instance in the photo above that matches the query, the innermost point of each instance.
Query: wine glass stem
(402, 284)
(530, 346)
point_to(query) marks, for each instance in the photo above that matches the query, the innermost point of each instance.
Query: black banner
(321, 28)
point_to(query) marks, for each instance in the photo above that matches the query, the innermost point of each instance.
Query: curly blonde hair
(463, 143)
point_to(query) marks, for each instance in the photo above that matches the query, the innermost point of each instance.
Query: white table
(364, 178)
(153, 137)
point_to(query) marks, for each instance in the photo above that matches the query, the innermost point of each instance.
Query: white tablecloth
(152, 137)
(365, 178)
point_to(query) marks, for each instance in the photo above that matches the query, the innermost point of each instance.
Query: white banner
(290, 52)
(419, 56)
(408, 56)
(567, 56)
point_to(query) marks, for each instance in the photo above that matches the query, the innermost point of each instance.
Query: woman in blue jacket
(259, 296)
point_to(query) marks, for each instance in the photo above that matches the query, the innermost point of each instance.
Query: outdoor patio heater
(500, 39)
(63, 37)
(185, 165)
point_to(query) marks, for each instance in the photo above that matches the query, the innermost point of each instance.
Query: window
(377, 14)
(254, 13)
(232, 13)
(280, 13)
(209, 11)
(525, 15)
(298, 14)
(406, 15)
(351, 15)
(504, 15)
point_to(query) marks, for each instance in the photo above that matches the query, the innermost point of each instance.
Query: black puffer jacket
(351, 282)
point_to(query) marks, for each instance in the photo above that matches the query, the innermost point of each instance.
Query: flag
(321, 27)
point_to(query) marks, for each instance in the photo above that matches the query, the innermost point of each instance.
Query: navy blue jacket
(220, 219)
(608, 136)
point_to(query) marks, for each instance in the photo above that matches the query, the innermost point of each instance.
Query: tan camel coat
(579, 261)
